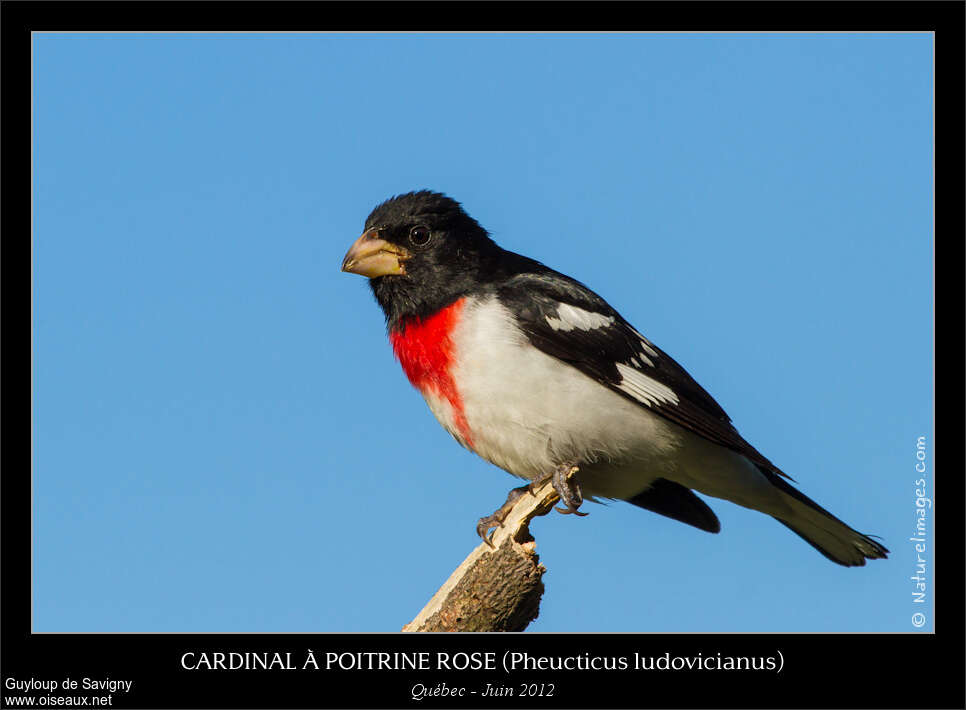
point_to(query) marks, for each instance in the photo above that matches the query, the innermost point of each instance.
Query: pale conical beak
(371, 256)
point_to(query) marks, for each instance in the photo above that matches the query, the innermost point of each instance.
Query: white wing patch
(643, 357)
(643, 388)
(571, 317)
(645, 348)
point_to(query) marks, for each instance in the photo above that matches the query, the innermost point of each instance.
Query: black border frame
(818, 670)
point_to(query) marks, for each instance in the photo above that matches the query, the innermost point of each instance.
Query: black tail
(823, 531)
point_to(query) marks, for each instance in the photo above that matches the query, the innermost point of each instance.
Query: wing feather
(568, 321)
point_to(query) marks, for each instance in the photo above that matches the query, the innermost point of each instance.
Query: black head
(421, 252)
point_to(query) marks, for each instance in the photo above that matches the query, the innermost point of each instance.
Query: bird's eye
(419, 236)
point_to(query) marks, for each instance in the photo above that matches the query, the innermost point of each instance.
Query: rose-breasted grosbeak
(537, 374)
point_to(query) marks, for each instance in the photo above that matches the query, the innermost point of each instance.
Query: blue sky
(222, 440)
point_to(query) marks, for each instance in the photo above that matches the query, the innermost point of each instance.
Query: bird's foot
(499, 515)
(564, 484)
(567, 488)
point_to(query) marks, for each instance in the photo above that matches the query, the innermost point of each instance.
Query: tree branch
(499, 588)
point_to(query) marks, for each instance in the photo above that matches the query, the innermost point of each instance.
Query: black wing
(675, 501)
(568, 321)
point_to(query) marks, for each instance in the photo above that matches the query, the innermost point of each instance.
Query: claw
(568, 489)
(484, 526)
(571, 512)
(495, 520)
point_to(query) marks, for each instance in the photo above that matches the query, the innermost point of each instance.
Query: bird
(537, 374)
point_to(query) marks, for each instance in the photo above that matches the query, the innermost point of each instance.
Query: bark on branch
(498, 588)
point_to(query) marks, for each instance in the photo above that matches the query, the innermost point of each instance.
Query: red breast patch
(424, 348)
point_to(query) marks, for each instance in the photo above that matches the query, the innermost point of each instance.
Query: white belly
(527, 422)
